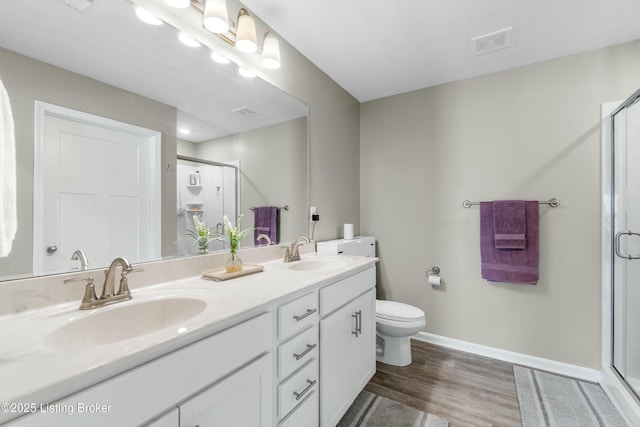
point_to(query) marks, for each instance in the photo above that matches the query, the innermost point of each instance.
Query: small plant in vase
(202, 235)
(234, 235)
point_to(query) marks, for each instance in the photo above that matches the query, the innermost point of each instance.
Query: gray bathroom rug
(549, 400)
(371, 410)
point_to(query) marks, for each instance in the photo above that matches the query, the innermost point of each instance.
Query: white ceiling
(376, 48)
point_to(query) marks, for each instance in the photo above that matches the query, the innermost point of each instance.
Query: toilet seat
(397, 311)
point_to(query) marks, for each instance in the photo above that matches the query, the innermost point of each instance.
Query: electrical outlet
(312, 211)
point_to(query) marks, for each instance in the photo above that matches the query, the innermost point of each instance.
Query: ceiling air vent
(490, 42)
(245, 111)
(80, 5)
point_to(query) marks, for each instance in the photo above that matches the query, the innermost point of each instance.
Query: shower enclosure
(624, 235)
(214, 195)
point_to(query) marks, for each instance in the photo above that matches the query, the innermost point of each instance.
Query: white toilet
(395, 323)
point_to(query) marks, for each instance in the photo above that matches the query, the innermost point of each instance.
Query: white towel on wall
(8, 209)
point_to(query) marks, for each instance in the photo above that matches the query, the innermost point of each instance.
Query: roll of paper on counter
(348, 231)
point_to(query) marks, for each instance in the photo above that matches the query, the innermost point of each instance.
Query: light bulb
(246, 35)
(216, 18)
(270, 52)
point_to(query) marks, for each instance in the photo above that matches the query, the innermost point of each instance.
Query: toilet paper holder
(434, 270)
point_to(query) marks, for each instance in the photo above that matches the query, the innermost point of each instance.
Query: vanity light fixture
(178, 4)
(270, 52)
(146, 16)
(189, 41)
(246, 40)
(216, 18)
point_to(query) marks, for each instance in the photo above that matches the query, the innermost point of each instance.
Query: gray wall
(527, 133)
(334, 135)
(27, 80)
(273, 171)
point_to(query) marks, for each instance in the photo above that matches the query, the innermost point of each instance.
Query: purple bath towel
(509, 224)
(509, 265)
(266, 221)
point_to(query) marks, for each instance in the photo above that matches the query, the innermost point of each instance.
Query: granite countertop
(34, 371)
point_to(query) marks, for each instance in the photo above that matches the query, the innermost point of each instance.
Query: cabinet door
(241, 400)
(363, 347)
(348, 356)
(335, 338)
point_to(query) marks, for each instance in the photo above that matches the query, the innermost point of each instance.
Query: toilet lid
(393, 310)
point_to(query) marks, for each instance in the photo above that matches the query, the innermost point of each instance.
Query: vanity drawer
(296, 352)
(306, 414)
(334, 296)
(298, 314)
(293, 391)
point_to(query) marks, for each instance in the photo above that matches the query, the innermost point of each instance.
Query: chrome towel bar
(554, 203)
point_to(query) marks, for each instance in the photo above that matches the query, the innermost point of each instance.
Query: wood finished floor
(466, 389)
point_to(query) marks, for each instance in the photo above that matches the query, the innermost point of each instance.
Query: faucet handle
(89, 291)
(124, 281)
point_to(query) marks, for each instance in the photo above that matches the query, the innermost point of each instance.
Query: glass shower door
(626, 241)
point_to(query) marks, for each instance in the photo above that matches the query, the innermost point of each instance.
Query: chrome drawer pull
(358, 316)
(304, 353)
(309, 312)
(306, 389)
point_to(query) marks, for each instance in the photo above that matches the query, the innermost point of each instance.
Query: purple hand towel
(509, 265)
(509, 224)
(266, 221)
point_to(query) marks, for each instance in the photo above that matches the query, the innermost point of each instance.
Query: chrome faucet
(79, 255)
(110, 281)
(293, 254)
(265, 238)
(90, 299)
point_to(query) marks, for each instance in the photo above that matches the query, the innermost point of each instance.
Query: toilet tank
(360, 246)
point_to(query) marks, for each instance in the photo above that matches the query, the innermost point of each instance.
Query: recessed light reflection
(220, 59)
(191, 42)
(182, 330)
(147, 17)
(246, 73)
(184, 131)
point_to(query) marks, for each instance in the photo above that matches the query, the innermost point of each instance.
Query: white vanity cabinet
(298, 378)
(240, 400)
(347, 343)
(233, 366)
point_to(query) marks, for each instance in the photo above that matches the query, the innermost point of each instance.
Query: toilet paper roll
(348, 231)
(434, 280)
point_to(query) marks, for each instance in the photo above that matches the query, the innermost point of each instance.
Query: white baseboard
(561, 368)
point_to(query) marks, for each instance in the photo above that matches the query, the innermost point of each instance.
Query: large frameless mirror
(122, 100)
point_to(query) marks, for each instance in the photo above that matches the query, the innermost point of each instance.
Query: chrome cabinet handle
(618, 239)
(52, 249)
(358, 316)
(306, 389)
(304, 353)
(309, 312)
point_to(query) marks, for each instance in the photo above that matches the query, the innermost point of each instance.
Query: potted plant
(234, 235)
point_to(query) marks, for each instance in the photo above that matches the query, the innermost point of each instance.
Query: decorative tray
(220, 274)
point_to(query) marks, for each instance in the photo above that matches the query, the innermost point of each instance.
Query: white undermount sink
(318, 264)
(122, 321)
